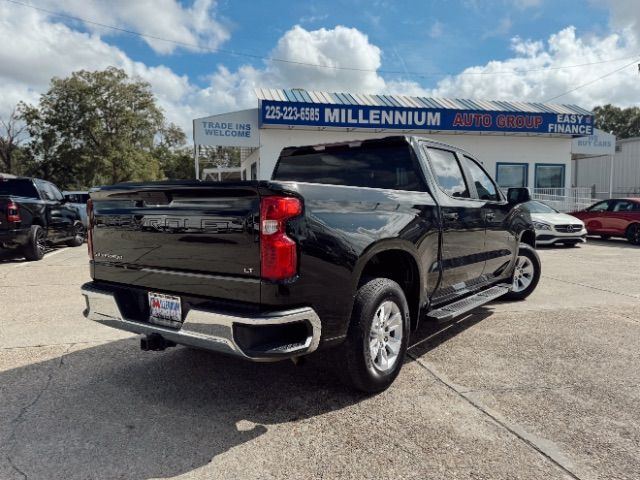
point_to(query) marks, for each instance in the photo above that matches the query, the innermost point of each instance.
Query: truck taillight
(278, 252)
(13, 212)
(90, 228)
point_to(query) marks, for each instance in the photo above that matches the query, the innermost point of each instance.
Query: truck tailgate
(196, 238)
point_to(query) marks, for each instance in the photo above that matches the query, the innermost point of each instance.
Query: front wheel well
(634, 224)
(401, 267)
(529, 238)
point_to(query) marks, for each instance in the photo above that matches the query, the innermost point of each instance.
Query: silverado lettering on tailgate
(170, 223)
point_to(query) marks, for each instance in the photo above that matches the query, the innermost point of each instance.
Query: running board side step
(467, 304)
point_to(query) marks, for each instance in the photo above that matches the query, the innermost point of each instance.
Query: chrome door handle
(451, 216)
(490, 216)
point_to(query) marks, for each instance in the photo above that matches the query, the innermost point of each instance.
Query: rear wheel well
(37, 221)
(399, 266)
(529, 238)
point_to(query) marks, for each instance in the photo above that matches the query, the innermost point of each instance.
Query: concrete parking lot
(546, 388)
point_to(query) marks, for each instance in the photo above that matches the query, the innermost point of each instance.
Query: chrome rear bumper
(211, 330)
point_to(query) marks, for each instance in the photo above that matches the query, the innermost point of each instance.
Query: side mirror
(518, 195)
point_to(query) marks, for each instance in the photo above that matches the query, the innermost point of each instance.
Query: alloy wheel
(385, 336)
(80, 233)
(41, 243)
(523, 273)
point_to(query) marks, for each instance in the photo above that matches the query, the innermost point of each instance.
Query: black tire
(531, 256)
(355, 364)
(633, 234)
(35, 247)
(605, 237)
(78, 237)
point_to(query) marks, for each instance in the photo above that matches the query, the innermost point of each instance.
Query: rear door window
(448, 172)
(18, 188)
(623, 206)
(389, 166)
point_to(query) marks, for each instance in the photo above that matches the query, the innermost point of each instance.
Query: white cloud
(548, 80)
(502, 28)
(195, 25)
(34, 50)
(625, 14)
(339, 47)
(36, 47)
(313, 18)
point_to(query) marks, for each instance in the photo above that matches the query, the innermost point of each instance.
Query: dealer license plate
(165, 309)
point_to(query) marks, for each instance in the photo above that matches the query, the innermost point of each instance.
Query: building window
(254, 171)
(549, 176)
(512, 175)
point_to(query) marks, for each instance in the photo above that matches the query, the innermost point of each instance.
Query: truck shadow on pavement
(112, 411)
(9, 256)
(430, 335)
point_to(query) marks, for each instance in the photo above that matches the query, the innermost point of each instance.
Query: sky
(204, 57)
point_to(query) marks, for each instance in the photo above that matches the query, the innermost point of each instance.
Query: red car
(618, 217)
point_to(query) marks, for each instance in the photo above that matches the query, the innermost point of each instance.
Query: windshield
(538, 207)
(18, 187)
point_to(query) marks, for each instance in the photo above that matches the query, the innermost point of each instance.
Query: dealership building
(519, 143)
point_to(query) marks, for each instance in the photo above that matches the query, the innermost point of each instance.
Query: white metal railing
(564, 199)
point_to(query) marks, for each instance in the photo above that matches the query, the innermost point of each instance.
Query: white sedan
(553, 227)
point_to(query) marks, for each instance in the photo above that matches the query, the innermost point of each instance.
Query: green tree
(622, 122)
(94, 128)
(11, 136)
(176, 159)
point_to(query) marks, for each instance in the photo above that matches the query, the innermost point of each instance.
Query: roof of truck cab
(299, 149)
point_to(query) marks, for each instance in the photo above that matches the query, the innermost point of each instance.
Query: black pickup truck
(349, 246)
(34, 214)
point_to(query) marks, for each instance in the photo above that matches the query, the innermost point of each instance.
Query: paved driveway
(547, 388)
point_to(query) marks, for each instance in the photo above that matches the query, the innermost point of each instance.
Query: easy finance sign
(405, 118)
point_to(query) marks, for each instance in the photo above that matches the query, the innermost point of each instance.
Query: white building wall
(592, 172)
(595, 171)
(490, 149)
(626, 167)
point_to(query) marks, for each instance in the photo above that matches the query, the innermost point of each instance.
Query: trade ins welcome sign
(406, 118)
